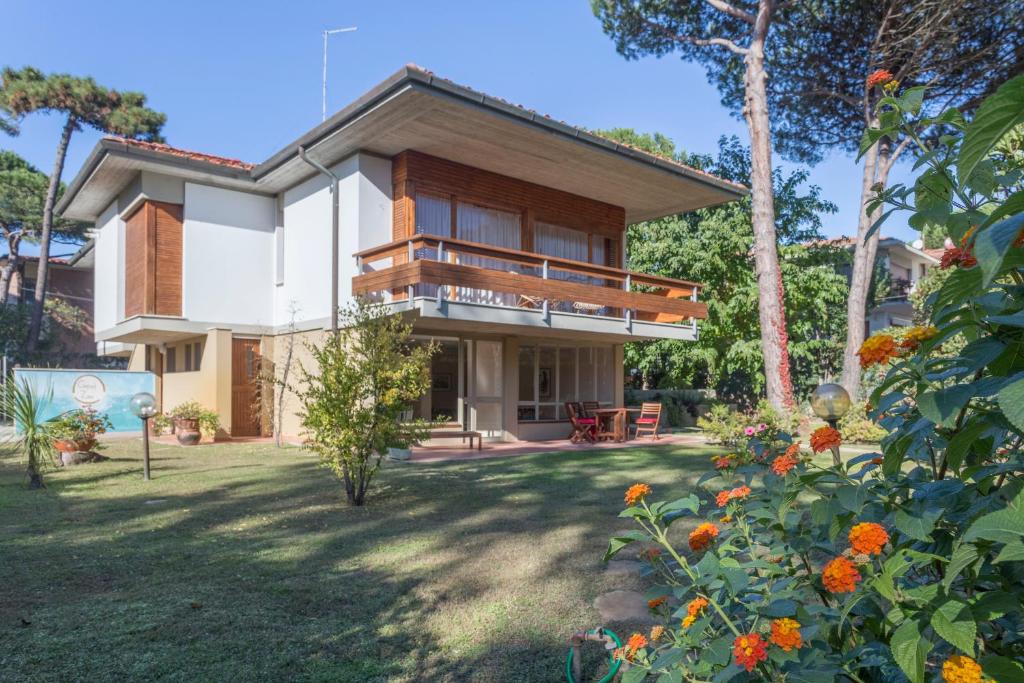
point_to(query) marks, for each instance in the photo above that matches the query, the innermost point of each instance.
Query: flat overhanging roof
(414, 109)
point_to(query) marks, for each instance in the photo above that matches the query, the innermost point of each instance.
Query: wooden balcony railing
(458, 270)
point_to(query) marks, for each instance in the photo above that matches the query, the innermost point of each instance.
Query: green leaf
(1006, 525)
(1011, 552)
(690, 502)
(963, 557)
(1011, 400)
(955, 624)
(912, 99)
(918, 525)
(992, 244)
(619, 542)
(667, 659)
(960, 445)
(995, 117)
(635, 675)
(909, 650)
(1002, 669)
(942, 406)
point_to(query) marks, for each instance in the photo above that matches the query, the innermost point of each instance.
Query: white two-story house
(499, 232)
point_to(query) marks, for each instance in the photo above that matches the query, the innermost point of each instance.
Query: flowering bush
(902, 565)
(80, 425)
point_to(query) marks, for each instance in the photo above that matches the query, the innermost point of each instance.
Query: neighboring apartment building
(901, 266)
(498, 232)
(71, 281)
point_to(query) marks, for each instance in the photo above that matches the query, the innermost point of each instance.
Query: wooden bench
(449, 434)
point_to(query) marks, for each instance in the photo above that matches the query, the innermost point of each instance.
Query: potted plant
(191, 420)
(76, 431)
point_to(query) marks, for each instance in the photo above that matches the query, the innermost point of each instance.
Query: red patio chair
(649, 420)
(583, 428)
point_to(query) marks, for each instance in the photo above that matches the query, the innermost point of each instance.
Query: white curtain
(487, 226)
(433, 217)
(561, 242)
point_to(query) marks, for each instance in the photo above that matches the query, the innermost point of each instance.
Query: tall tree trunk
(877, 162)
(13, 261)
(43, 274)
(771, 313)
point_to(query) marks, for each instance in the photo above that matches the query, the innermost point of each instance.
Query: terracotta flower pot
(187, 431)
(82, 445)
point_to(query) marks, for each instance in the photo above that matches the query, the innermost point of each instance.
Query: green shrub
(857, 427)
(78, 425)
(904, 565)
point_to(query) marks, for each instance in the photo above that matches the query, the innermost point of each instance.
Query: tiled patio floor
(451, 449)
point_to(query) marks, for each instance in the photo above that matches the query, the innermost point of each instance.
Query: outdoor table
(620, 421)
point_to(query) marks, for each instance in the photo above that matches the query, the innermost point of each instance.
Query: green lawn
(242, 562)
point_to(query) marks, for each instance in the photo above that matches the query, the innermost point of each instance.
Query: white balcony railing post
(440, 287)
(546, 306)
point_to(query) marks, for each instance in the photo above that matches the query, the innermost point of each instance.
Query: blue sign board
(105, 391)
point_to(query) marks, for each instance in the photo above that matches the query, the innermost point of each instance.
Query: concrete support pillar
(510, 383)
(619, 368)
(215, 377)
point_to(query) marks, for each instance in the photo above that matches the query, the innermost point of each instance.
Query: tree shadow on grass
(467, 571)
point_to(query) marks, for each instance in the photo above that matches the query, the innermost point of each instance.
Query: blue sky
(242, 79)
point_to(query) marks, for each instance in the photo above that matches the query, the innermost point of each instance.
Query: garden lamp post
(143, 406)
(830, 402)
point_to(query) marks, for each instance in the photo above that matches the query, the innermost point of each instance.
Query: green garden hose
(615, 663)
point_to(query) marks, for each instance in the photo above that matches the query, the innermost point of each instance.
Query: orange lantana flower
(693, 610)
(878, 349)
(783, 464)
(880, 77)
(840, 576)
(636, 493)
(650, 554)
(702, 536)
(913, 337)
(825, 438)
(786, 634)
(868, 538)
(657, 602)
(724, 497)
(958, 256)
(749, 650)
(961, 669)
(635, 642)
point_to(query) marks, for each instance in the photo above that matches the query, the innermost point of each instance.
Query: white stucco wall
(228, 251)
(108, 272)
(364, 221)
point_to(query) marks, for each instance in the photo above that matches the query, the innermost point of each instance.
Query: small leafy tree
(892, 566)
(364, 378)
(31, 438)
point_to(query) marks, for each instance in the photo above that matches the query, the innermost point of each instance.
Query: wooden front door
(245, 387)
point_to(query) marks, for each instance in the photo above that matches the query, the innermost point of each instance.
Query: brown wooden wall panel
(168, 223)
(153, 257)
(536, 202)
(135, 263)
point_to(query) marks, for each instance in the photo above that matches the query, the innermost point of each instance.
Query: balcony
(541, 290)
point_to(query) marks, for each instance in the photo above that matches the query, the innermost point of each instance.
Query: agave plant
(25, 406)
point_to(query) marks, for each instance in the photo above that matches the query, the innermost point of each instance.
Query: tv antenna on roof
(329, 32)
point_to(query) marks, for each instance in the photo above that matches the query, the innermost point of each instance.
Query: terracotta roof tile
(183, 153)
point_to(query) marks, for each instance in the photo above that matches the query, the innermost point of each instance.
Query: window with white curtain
(488, 226)
(433, 217)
